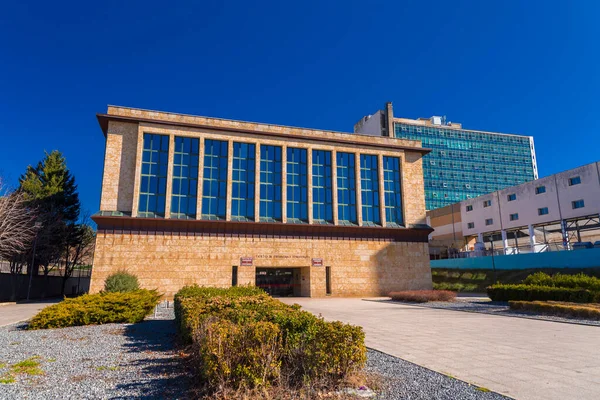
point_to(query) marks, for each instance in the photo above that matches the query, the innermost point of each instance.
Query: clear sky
(529, 67)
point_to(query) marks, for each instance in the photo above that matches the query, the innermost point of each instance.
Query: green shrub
(501, 292)
(121, 281)
(479, 276)
(467, 275)
(308, 349)
(455, 286)
(238, 355)
(94, 309)
(560, 309)
(578, 281)
(189, 301)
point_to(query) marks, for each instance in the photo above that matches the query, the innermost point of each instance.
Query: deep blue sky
(508, 66)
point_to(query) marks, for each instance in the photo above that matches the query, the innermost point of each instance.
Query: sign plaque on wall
(317, 262)
(246, 261)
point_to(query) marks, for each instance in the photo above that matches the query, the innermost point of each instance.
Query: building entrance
(279, 282)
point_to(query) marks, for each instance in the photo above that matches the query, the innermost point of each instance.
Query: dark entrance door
(278, 282)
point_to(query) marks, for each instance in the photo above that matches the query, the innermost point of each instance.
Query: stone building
(304, 212)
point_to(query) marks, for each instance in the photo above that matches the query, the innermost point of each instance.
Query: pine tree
(50, 188)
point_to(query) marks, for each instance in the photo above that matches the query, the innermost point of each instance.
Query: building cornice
(277, 131)
(153, 226)
(427, 124)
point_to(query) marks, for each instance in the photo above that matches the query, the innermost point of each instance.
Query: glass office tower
(465, 164)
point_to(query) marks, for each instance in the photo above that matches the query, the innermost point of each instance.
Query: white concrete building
(563, 208)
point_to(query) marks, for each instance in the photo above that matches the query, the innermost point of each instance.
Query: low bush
(121, 281)
(95, 309)
(467, 276)
(577, 281)
(243, 338)
(187, 312)
(501, 292)
(479, 276)
(423, 296)
(562, 309)
(237, 355)
(455, 286)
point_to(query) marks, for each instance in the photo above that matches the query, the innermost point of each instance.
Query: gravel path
(485, 306)
(115, 361)
(408, 381)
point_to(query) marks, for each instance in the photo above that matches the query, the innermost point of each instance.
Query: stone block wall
(170, 261)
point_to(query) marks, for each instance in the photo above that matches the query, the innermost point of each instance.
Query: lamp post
(493, 260)
(37, 226)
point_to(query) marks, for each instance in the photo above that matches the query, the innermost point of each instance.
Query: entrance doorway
(279, 282)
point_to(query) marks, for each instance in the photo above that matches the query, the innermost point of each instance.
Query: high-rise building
(463, 163)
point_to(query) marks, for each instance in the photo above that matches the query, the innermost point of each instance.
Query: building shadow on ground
(162, 370)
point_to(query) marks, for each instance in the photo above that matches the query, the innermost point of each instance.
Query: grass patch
(482, 389)
(105, 368)
(2, 365)
(7, 379)
(29, 366)
(561, 309)
(423, 296)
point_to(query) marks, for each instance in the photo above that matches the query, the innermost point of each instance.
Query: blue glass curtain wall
(242, 181)
(322, 190)
(270, 183)
(153, 182)
(214, 180)
(297, 185)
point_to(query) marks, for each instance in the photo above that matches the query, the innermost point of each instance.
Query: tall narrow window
(153, 182)
(242, 182)
(214, 181)
(270, 183)
(369, 190)
(322, 192)
(297, 186)
(392, 191)
(346, 187)
(185, 178)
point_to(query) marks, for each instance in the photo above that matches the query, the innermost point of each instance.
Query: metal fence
(80, 271)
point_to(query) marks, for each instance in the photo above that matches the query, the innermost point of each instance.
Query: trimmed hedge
(248, 341)
(423, 296)
(580, 281)
(560, 309)
(95, 309)
(183, 308)
(501, 292)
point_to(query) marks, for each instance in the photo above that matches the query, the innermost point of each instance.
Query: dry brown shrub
(310, 391)
(423, 296)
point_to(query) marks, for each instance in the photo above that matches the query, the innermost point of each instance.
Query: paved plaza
(518, 357)
(11, 313)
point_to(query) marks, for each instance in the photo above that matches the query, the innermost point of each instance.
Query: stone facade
(170, 261)
(164, 254)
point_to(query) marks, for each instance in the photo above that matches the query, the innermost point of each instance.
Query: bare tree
(79, 246)
(17, 228)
